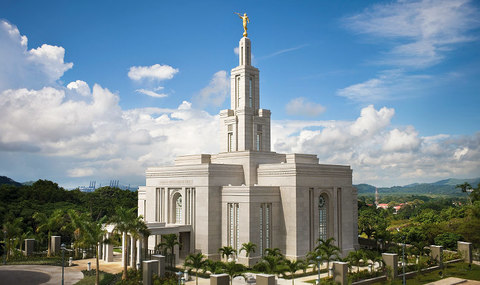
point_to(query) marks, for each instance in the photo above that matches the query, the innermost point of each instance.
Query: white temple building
(247, 193)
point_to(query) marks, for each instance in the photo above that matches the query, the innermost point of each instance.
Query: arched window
(177, 207)
(322, 217)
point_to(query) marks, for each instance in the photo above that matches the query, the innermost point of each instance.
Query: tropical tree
(356, 258)
(195, 261)
(213, 266)
(49, 224)
(145, 233)
(12, 229)
(169, 242)
(248, 247)
(227, 251)
(292, 267)
(124, 220)
(93, 233)
(233, 270)
(328, 251)
(273, 251)
(139, 227)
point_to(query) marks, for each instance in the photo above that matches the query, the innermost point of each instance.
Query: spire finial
(245, 21)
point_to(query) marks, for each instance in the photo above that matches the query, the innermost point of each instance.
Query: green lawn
(459, 270)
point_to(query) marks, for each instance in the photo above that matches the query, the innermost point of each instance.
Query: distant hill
(442, 187)
(9, 181)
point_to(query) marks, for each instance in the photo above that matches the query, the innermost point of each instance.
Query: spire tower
(245, 126)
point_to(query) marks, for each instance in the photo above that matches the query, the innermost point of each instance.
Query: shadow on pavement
(23, 277)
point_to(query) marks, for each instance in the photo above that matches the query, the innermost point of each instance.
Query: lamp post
(319, 261)
(62, 247)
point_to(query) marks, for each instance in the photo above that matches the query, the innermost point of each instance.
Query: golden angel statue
(245, 21)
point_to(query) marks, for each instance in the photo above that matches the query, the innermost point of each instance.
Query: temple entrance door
(185, 242)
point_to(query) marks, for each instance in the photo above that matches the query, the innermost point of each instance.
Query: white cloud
(154, 72)
(24, 68)
(282, 51)
(397, 140)
(151, 93)
(389, 85)
(300, 106)
(80, 172)
(422, 32)
(377, 152)
(81, 87)
(216, 92)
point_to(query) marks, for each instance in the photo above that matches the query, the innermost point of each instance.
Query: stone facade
(247, 193)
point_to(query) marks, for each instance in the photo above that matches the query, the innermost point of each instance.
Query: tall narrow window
(241, 55)
(233, 228)
(265, 226)
(322, 217)
(250, 95)
(230, 138)
(237, 91)
(258, 138)
(177, 204)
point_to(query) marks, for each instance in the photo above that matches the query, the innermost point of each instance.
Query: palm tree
(273, 251)
(292, 267)
(138, 227)
(76, 219)
(214, 267)
(227, 251)
(356, 257)
(94, 234)
(195, 261)
(328, 251)
(169, 242)
(49, 224)
(124, 220)
(248, 247)
(233, 270)
(145, 232)
(12, 229)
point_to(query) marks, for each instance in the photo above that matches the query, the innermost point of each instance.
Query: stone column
(133, 263)
(55, 244)
(465, 249)
(220, 279)
(265, 279)
(150, 267)
(139, 251)
(109, 250)
(29, 245)
(436, 251)
(161, 264)
(340, 271)
(391, 260)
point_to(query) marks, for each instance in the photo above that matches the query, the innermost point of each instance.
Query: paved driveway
(37, 274)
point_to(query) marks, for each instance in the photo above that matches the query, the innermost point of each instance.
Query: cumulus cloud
(215, 92)
(151, 93)
(421, 32)
(24, 68)
(154, 72)
(301, 106)
(379, 153)
(79, 86)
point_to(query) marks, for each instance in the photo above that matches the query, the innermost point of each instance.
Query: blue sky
(100, 90)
